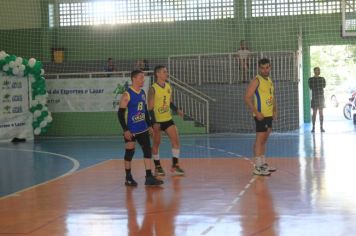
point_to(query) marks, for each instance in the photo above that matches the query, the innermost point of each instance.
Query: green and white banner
(87, 95)
(15, 117)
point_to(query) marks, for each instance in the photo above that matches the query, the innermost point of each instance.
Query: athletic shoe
(322, 130)
(130, 182)
(159, 171)
(176, 170)
(269, 168)
(152, 181)
(261, 171)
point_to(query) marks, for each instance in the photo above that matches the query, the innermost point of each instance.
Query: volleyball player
(261, 101)
(136, 127)
(160, 105)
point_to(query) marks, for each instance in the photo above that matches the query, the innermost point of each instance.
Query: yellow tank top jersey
(263, 98)
(162, 101)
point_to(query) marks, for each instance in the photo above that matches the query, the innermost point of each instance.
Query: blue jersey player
(135, 122)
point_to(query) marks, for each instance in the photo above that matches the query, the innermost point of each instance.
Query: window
(143, 11)
(262, 8)
(50, 15)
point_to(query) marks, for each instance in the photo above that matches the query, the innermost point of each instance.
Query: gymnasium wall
(24, 31)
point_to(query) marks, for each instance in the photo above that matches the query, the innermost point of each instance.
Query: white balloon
(19, 61)
(31, 62)
(49, 119)
(41, 99)
(44, 108)
(43, 124)
(6, 67)
(15, 71)
(22, 67)
(37, 131)
(37, 113)
(42, 71)
(32, 79)
(12, 64)
(2, 55)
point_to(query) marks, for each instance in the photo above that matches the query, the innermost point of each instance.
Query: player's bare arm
(151, 98)
(249, 98)
(179, 111)
(275, 113)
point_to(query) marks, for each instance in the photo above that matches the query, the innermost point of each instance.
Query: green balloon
(44, 130)
(33, 109)
(41, 85)
(35, 124)
(24, 61)
(45, 113)
(26, 71)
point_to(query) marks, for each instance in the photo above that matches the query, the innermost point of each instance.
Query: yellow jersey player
(261, 101)
(160, 106)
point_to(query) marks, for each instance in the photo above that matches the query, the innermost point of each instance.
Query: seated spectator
(110, 66)
(142, 65)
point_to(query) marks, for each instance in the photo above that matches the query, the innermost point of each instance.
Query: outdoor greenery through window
(143, 11)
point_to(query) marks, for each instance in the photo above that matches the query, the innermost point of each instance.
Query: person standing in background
(317, 85)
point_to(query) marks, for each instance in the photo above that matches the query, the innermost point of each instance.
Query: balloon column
(18, 66)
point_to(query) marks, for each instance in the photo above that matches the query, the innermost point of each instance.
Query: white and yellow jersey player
(160, 106)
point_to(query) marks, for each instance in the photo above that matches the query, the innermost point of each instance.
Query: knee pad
(129, 153)
(147, 153)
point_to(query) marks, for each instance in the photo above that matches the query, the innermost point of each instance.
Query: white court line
(237, 198)
(75, 167)
(230, 206)
(216, 149)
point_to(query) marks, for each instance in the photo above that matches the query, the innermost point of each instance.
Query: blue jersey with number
(136, 111)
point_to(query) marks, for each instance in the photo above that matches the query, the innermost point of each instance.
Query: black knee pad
(129, 153)
(147, 153)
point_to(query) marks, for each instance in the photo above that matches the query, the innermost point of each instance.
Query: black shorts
(165, 125)
(142, 138)
(317, 103)
(263, 125)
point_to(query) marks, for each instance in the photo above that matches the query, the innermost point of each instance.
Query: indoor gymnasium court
(65, 66)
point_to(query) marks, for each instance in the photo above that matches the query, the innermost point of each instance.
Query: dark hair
(316, 68)
(134, 73)
(263, 61)
(157, 69)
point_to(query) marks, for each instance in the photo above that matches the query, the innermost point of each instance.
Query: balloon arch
(18, 66)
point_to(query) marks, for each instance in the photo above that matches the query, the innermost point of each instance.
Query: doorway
(338, 66)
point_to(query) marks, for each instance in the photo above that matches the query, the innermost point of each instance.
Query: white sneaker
(269, 168)
(262, 171)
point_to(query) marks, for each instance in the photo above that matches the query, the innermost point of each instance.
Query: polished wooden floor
(312, 192)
